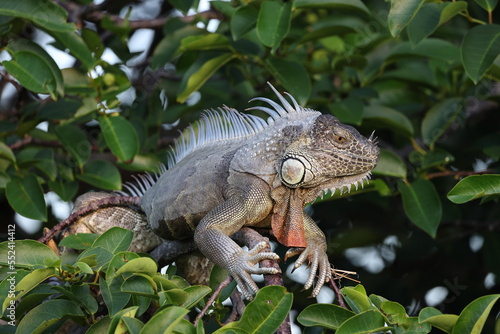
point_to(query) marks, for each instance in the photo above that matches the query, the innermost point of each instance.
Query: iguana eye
(339, 139)
(294, 172)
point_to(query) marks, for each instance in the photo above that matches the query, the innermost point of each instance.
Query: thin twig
(458, 173)
(212, 298)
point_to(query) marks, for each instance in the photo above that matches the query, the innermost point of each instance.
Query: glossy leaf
(488, 5)
(168, 47)
(114, 240)
(138, 285)
(430, 17)
(182, 5)
(473, 187)
(273, 22)
(243, 20)
(354, 5)
(76, 46)
(65, 190)
(6, 152)
(266, 312)
(444, 322)
(357, 299)
(401, 13)
(385, 117)
(112, 295)
(474, 315)
(480, 47)
(32, 66)
(199, 77)
(44, 13)
(325, 315)
(78, 241)
(439, 118)
(431, 48)
(366, 322)
(195, 294)
(422, 204)
(165, 320)
(205, 42)
(144, 265)
(390, 164)
(121, 137)
(292, 76)
(26, 197)
(101, 174)
(349, 110)
(46, 314)
(29, 254)
(74, 141)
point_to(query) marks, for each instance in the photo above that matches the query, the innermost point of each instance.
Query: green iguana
(231, 170)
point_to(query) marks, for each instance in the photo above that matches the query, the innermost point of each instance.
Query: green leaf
(439, 118)
(200, 76)
(195, 294)
(99, 257)
(488, 5)
(384, 117)
(76, 46)
(430, 48)
(114, 298)
(394, 312)
(273, 23)
(75, 142)
(121, 137)
(480, 47)
(44, 13)
(292, 76)
(139, 285)
(46, 314)
(83, 296)
(424, 23)
(349, 110)
(390, 164)
(366, 322)
(79, 241)
(422, 204)
(401, 13)
(436, 157)
(66, 190)
(450, 10)
(131, 325)
(165, 320)
(354, 5)
(169, 45)
(115, 240)
(182, 5)
(205, 42)
(243, 20)
(26, 197)
(325, 315)
(473, 316)
(29, 254)
(32, 66)
(434, 317)
(6, 152)
(144, 265)
(473, 187)
(28, 283)
(101, 174)
(357, 299)
(266, 312)
(116, 319)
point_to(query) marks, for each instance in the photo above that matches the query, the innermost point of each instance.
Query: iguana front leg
(212, 236)
(315, 254)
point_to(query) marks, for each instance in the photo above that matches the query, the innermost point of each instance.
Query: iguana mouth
(346, 183)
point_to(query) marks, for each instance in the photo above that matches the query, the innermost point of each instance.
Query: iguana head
(329, 156)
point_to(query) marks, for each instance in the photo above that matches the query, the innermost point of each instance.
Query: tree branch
(458, 174)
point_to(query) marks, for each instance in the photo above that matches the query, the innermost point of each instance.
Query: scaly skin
(261, 177)
(261, 180)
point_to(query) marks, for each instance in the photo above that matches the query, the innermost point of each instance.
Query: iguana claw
(244, 266)
(317, 261)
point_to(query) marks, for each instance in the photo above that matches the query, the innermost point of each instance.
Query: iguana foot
(242, 268)
(317, 261)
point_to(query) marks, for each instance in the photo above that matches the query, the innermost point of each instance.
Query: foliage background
(423, 74)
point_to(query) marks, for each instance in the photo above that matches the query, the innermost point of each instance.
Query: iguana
(231, 170)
